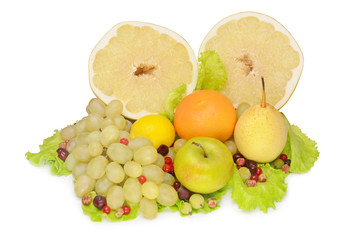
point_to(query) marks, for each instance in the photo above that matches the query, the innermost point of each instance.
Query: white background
(44, 49)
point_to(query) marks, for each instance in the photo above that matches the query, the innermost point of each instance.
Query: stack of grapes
(102, 157)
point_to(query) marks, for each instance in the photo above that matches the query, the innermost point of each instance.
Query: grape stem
(200, 146)
(263, 102)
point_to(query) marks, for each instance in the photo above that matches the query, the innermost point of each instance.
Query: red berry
(286, 168)
(106, 209)
(283, 157)
(62, 153)
(126, 209)
(86, 200)
(167, 167)
(240, 161)
(176, 185)
(142, 179)
(258, 171)
(124, 141)
(262, 177)
(168, 160)
(254, 177)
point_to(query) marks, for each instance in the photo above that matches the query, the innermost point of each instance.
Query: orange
(205, 113)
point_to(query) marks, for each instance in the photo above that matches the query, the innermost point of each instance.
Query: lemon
(157, 128)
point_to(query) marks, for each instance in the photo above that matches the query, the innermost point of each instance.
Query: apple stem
(199, 145)
(263, 102)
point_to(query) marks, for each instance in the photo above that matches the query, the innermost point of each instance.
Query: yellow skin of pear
(261, 133)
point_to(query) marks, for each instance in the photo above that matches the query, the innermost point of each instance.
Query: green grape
(96, 106)
(83, 185)
(94, 136)
(102, 185)
(95, 148)
(119, 153)
(139, 142)
(115, 197)
(106, 122)
(114, 109)
(241, 108)
(132, 190)
(80, 126)
(109, 135)
(68, 132)
(115, 172)
(160, 161)
(79, 169)
(245, 173)
(81, 153)
(82, 138)
(167, 195)
(148, 208)
(197, 201)
(231, 146)
(186, 208)
(150, 190)
(71, 145)
(171, 153)
(153, 173)
(169, 179)
(119, 122)
(146, 155)
(178, 144)
(125, 134)
(128, 125)
(93, 122)
(133, 169)
(71, 162)
(96, 167)
(278, 163)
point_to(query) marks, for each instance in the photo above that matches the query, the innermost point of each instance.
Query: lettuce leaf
(300, 149)
(264, 194)
(172, 100)
(212, 74)
(48, 155)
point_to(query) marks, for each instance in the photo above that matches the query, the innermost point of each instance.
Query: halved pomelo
(139, 64)
(252, 45)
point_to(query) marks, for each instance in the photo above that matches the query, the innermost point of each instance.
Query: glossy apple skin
(202, 174)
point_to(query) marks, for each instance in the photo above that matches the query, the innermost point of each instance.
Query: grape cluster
(102, 157)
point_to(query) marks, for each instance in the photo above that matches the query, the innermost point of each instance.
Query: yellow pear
(261, 132)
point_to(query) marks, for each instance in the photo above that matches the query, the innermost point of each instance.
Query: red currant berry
(258, 171)
(176, 185)
(124, 141)
(142, 179)
(106, 209)
(254, 177)
(126, 209)
(283, 157)
(168, 160)
(167, 167)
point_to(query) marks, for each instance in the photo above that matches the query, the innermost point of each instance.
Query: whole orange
(205, 113)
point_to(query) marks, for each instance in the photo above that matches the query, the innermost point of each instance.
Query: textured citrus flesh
(139, 64)
(251, 46)
(205, 113)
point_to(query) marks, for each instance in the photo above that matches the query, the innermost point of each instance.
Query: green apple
(203, 165)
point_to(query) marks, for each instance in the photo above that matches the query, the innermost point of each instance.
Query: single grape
(109, 135)
(71, 162)
(128, 125)
(150, 190)
(62, 153)
(171, 153)
(119, 153)
(71, 145)
(96, 167)
(93, 122)
(68, 132)
(95, 148)
(153, 173)
(125, 134)
(167, 195)
(115, 197)
(83, 185)
(82, 138)
(114, 109)
(160, 161)
(163, 150)
(278, 163)
(94, 136)
(146, 155)
(169, 179)
(245, 173)
(231, 146)
(133, 169)
(139, 142)
(80, 126)
(241, 108)
(96, 106)
(119, 122)
(148, 208)
(197, 201)
(132, 190)
(179, 143)
(115, 172)
(79, 169)
(81, 153)
(103, 185)
(106, 122)
(186, 208)
(184, 193)
(99, 201)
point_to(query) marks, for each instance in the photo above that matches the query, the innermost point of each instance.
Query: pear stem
(200, 146)
(263, 101)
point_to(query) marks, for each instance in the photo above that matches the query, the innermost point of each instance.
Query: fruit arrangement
(167, 132)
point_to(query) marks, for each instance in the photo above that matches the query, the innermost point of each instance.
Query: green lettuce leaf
(97, 215)
(172, 100)
(264, 194)
(300, 149)
(212, 74)
(48, 155)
